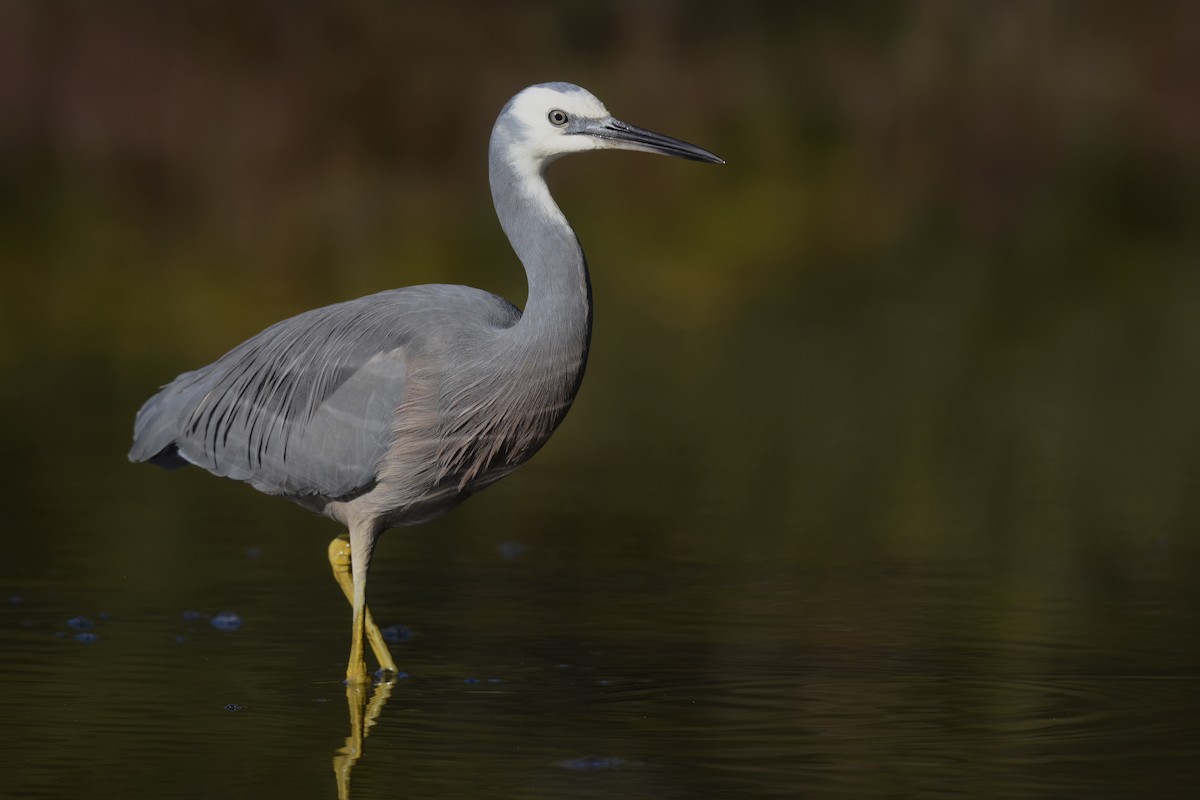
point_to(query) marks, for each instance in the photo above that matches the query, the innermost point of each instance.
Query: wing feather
(308, 406)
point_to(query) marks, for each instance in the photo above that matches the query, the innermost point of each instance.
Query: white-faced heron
(394, 408)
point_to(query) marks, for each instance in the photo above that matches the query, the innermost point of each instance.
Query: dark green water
(602, 659)
(884, 480)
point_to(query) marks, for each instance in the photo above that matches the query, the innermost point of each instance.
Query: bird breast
(493, 425)
(457, 431)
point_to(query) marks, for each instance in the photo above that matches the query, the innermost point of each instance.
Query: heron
(392, 409)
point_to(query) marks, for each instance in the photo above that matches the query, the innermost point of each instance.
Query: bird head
(549, 120)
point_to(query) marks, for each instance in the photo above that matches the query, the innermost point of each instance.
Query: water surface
(580, 665)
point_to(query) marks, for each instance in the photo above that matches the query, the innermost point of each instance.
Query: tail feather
(156, 427)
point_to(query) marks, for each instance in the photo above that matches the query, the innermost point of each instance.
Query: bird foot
(386, 676)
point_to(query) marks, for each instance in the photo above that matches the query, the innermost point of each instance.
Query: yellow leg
(340, 559)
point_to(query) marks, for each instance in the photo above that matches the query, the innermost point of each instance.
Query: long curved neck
(557, 322)
(518, 385)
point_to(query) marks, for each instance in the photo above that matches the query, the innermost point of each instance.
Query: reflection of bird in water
(362, 717)
(394, 408)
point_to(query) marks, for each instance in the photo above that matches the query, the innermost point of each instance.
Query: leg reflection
(363, 714)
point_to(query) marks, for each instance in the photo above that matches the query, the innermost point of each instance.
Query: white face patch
(541, 99)
(542, 141)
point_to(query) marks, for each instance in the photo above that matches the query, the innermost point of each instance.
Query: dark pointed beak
(630, 137)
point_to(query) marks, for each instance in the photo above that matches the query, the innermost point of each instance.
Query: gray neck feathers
(555, 329)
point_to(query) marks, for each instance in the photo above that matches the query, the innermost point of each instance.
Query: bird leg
(341, 559)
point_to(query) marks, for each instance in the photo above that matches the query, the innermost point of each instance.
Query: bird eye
(557, 118)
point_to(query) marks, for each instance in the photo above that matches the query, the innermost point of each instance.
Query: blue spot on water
(592, 762)
(401, 676)
(15, 599)
(87, 637)
(603, 682)
(396, 633)
(180, 639)
(233, 707)
(495, 680)
(192, 616)
(81, 623)
(226, 621)
(471, 681)
(511, 550)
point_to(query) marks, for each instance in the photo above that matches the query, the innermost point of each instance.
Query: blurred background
(922, 353)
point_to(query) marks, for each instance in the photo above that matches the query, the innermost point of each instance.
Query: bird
(392, 409)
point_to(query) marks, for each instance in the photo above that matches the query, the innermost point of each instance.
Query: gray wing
(306, 407)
